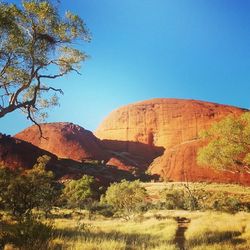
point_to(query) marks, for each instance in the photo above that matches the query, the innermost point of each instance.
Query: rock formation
(75, 144)
(179, 164)
(161, 135)
(65, 140)
(15, 153)
(145, 128)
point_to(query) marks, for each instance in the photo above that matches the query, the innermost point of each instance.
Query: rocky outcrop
(179, 164)
(145, 128)
(65, 140)
(15, 153)
(70, 141)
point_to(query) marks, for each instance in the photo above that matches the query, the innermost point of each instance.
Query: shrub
(20, 192)
(125, 197)
(79, 193)
(182, 198)
(101, 209)
(173, 198)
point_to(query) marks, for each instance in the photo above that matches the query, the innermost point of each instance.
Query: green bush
(80, 193)
(200, 199)
(182, 198)
(20, 192)
(125, 197)
(173, 198)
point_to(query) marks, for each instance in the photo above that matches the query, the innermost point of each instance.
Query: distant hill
(65, 140)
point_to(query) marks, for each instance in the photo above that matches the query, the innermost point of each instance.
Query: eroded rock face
(172, 124)
(162, 122)
(65, 140)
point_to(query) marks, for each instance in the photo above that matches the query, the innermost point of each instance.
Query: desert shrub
(80, 193)
(29, 234)
(226, 204)
(20, 192)
(159, 205)
(245, 206)
(125, 197)
(173, 198)
(191, 202)
(144, 206)
(180, 199)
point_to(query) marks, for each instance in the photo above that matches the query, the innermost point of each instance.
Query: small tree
(229, 144)
(80, 192)
(125, 196)
(23, 191)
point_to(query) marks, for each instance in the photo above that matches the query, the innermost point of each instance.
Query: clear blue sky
(142, 49)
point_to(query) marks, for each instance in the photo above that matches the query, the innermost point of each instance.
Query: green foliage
(125, 197)
(174, 199)
(80, 192)
(35, 40)
(229, 144)
(23, 191)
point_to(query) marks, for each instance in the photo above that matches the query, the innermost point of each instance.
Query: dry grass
(212, 230)
(156, 230)
(147, 233)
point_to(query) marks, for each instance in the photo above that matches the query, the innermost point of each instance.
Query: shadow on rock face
(144, 152)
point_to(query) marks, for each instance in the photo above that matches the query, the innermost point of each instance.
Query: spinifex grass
(149, 233)
(213, 231)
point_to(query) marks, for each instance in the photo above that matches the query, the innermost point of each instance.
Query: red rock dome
(171, 124)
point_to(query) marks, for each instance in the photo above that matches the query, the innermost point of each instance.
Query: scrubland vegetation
(156, 229)
(127, 215)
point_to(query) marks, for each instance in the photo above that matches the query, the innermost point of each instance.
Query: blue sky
(142, 49)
